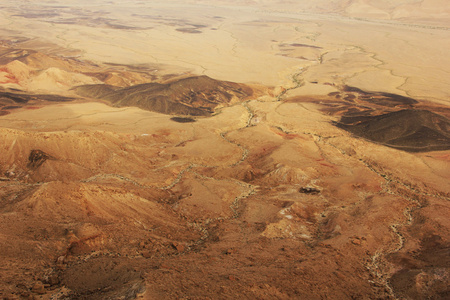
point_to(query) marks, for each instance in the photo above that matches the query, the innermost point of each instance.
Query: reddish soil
(274, 226)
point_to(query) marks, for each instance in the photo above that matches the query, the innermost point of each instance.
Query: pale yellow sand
(387, 46)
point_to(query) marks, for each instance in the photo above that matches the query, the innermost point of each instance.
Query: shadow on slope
(410, 130)
(194, 96)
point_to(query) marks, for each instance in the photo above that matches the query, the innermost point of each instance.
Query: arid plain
(224, 149)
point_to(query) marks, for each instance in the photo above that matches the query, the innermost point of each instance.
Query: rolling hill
(410, 130)
(194, 96)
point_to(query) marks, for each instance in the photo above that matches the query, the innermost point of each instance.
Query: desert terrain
(224, 149)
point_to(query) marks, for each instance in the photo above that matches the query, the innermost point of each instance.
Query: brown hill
(103, 211)
(409, 130)
(195, 96)
(377, 98)
(13, 100)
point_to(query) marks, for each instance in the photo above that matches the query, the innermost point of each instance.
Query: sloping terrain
(260, 200)
(32, 75)
(195, 96)
(11, 100)
(409, 130)
(254, 201)
(266, 209)
(124, 175)
(34, 71)
(392, 120)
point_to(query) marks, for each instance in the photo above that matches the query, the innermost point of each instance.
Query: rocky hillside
(195, 96)
(410, 130)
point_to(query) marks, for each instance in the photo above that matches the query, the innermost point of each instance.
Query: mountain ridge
(413, 130)
(193, 96)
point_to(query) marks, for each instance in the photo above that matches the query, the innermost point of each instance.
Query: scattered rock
(309, 190)
(60, 260)
(53, 279)
(356, 242)
(179, 247)
(165, 266)
(37, 158)
(10, 174)
(230, 251)
(38, 288)
(146, 254)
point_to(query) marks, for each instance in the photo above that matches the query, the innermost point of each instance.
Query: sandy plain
(262, 197)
